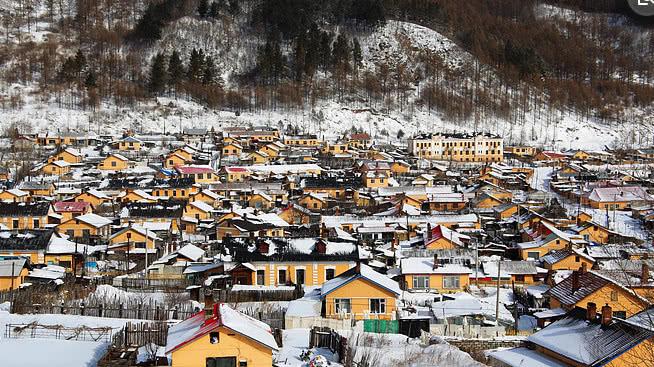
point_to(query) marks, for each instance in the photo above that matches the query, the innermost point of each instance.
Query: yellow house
(538, 248)
(94, 197)
(13, 271)
(175, 159)
(68, 155)
(114, 162)
(594, 232)
(302, 141)
(199, 174)
(334, 149)
(425, 273)
(225, 338)
(206, 196)
(14, 195)
(441, 238)
(38, 188)
(374, 180)
(18, 216)
(567, 260)
(236, 174)
(261, 200)
(295, 214)
(400, 167)
(258, 157)
(86, 226)
(181, 189)
(185, 152)
(137, 238)
(130, 143)
(313, 202)
(135, 196)
(198, 210)
(521, 151)
(273, 149)
(232, 150)
(71, 209)
(583, 287)
(56, 168)
(360, 293)
(615, 342)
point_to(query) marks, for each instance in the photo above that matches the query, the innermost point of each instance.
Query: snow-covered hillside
(396, 43)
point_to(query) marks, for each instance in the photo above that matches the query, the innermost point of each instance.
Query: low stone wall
(467, 331)
(476, 347)
(294, 322)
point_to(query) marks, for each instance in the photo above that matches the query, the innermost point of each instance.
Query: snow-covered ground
(296, 342)
(36, 352)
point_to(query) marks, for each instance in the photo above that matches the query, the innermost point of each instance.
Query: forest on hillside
(593, 58)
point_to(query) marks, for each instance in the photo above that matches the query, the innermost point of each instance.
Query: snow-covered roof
(361, 271)
(93, 220)
(425, 265)
(198, 325)
(191, 252)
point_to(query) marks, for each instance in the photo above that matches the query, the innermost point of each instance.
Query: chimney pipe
(591, 311)
(575, 281)
(429, 231)
(607, 315)
(584, 268)
(644, 274)
(436, 264)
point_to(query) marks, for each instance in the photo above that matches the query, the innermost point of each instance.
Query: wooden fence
(152, 285)
(255, 295)
(324, 337)
(140, 334)
(80, 333)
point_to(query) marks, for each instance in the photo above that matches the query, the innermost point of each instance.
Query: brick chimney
(321, 247)
(436, 263)
(591, 311)
(584, 268)
(429, 231)
(607, 315)
(575, 281)
(263, 247)
(644, 274)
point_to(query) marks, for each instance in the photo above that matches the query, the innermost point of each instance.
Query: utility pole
(146, 253)
(477, 263)
(497, 296)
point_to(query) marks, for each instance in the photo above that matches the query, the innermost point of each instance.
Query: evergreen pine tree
(209, 73)
(203, 8)
(91, 80)
(175, 69)
(214, 10)
(357, 54)
(157, 80)
(196, 62)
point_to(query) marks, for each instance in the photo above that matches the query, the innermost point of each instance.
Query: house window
(614, 296)
(533, 255)
(200, 176)
(15, 223)
(70, 233)
(377, 306)
(329, 274)
(451, 282)
(113, 163)
(343, 305)
(586, 237)
(620, 314)
(421, 282)
(86, 233)
(577, 258)
(261, 275)
(520, 278)
(214, 337)
(221, 362)
(36, 223)
(243, 364)
(281, 276)
(299, 276)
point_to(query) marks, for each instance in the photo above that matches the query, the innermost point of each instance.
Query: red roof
(235, 169)
(362, 136)
(71, 206)
(192, 170)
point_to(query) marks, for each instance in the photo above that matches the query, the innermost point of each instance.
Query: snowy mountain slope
(396, 43)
